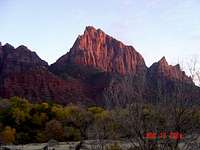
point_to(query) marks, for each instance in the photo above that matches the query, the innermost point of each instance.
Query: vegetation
(24, 122)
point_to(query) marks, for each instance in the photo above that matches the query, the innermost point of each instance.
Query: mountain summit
(163, 69)
(96, 49)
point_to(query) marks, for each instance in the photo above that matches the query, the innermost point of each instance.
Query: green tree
(20, 110)
(78, 118)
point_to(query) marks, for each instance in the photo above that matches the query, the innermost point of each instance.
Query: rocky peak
(178, 66)
(163, 69)
(19, 59)
(7, 46)
(89, 38)
(22, 47)
(98, 50)
(163, 61)
(90, 29)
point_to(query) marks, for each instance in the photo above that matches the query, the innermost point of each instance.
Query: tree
(54, 130)
(72, 134)
(8, 135)
(39, 119)
(20, 110)
(194, 69)
(135, 121)
(23, 137)
(41, 137)
(104, 127)
(78, 118)
(58, 112)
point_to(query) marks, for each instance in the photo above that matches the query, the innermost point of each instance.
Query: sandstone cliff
(96, 49)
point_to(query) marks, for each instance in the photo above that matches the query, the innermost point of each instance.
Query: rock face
(24, 74)
(98, 69)
(96, 49)
(17, 60)
(162, 69)
(167, 82)
(41, 85)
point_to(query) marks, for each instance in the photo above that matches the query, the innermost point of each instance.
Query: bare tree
(193, 67)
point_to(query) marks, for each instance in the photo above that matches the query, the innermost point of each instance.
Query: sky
(156, 28)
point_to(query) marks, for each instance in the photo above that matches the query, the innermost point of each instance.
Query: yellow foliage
(19, 115)
(58, 111)
(8, 135)
(45, 105)
(95, 110)
(114, 147)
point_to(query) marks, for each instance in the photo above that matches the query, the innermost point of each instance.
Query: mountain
(98, 69)
(18, 60)
(24, 74)
(103, 63)
(163, 69)
(169, 82)
(98, 50)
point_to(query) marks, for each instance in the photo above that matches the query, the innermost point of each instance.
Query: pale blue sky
(155, 28)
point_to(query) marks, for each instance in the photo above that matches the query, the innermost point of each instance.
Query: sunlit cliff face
(97, 49)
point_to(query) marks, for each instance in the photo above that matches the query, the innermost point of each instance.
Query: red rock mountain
(166, 82)
(98, 69)
(163, 69)
(16, 60)
(24, 74)
(96, 49)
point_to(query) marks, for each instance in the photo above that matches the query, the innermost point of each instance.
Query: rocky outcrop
(96, 49)
(166, 83)
(24, 74)
(162, 69)
(18, 60)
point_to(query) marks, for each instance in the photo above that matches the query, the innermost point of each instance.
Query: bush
(72, 134)
(114, 147)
